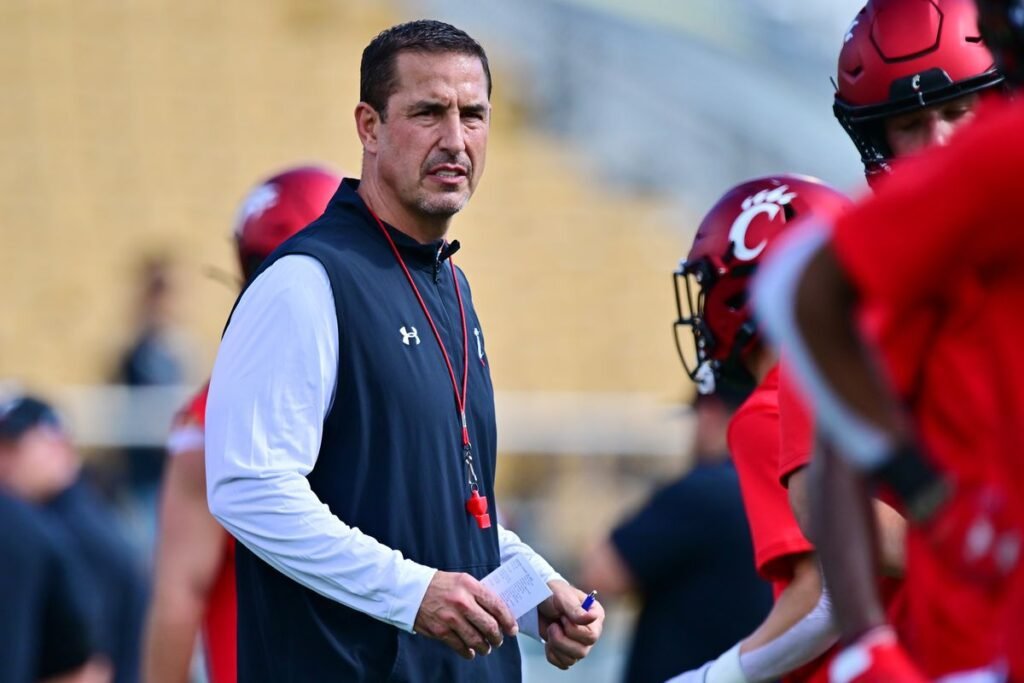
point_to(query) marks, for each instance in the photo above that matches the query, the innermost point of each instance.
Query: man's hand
(569, 631)
(875, 657)
(464, 614)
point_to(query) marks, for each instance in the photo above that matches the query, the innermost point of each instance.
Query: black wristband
(920, 487)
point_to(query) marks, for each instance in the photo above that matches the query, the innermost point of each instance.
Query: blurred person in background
(933, 413)
(39, 464)
(910, 73)
(351, 440)
(728, 351)
(45, 631)
(687, 555)
(194, 584)
(157, 357)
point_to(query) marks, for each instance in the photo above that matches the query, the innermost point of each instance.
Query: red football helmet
(711, 284)
(902, 55)
(278, 208)
(1001, 23)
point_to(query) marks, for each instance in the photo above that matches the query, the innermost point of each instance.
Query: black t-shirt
(43, 628)
(115, 580)
(690, 554)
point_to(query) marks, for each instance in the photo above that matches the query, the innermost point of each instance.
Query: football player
(910, 73)
(711, 290)
(195, 575)
(933, 410)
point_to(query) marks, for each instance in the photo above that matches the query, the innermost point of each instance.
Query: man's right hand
(464, 614)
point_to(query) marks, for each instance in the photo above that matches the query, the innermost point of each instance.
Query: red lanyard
(477, 504)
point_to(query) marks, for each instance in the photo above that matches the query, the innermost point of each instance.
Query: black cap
(22, 413)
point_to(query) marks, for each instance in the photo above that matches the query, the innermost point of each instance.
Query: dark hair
(377, 78)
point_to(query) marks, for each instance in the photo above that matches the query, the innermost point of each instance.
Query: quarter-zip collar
(424, 257)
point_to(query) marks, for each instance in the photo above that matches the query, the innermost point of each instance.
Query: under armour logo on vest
(411, 333)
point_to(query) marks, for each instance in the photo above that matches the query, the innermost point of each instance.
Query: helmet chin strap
(733, 372)
(736, 378)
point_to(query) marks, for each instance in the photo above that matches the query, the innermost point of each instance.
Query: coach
(350, 427)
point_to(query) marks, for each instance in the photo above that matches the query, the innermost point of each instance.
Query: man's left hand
(569, 630)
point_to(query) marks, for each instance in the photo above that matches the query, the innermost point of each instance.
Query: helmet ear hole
(737, 300)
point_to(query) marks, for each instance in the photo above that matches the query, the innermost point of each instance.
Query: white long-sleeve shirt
(273, 385)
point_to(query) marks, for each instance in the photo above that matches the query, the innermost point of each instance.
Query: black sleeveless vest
(390, 463)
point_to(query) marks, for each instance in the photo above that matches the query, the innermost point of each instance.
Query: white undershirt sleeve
(273, 384)
(185, 437)
(804, 642)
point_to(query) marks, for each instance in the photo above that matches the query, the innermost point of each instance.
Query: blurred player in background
(195, 571)
(696, 582)
(40, 465)
(932, 413)
(711, 290)
(910, 73)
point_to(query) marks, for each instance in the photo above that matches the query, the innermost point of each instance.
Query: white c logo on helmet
(915, 82)
(765, 201)
(849, 32)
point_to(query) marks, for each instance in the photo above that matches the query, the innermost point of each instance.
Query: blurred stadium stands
(134, 128)
(679, 99)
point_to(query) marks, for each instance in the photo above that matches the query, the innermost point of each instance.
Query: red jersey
(221, 615)
(754, 443)
(943, 235)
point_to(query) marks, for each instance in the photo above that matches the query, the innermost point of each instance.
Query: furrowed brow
(477, 109)
(431, 106)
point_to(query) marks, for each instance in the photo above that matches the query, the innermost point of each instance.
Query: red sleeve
(949, 209)
(754, 444)
(195, 411)
(796, 428)
(187, 429)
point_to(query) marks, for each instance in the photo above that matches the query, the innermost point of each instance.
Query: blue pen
(588, 601)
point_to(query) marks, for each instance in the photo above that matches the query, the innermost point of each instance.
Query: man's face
(432, 144)
(35, 466)
(916, 131)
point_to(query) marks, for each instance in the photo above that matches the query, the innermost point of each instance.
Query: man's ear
(368, 121)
